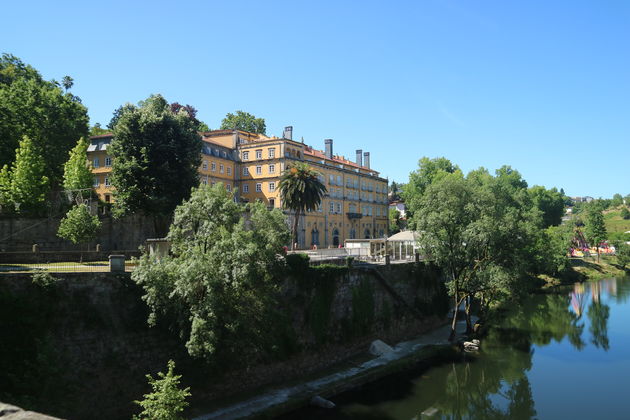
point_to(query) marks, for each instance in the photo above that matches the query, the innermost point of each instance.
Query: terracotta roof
(308, 150)
(102, 136)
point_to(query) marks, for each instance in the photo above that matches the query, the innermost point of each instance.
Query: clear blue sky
(541, 86)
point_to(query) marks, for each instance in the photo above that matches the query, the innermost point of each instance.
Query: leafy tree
(118, 112)
(191, 111)
(97, 130)
(300, 191)
(429, 171)
(167, 401)
(77, 172)
(218, 287)
(243, 121)
(623, 255)
(617, 200)
(39, 109)
(550, 203)
(625, 213)
(155, 158)
(595, 227)
(25, 183)
(79, 226)
(394, 221)
(478, 231)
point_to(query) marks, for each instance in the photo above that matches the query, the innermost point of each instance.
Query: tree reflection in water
(493, 384)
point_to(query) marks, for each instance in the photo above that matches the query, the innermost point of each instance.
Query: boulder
(379, 348)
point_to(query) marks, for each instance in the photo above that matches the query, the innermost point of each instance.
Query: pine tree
(28, 184)
(76, 171)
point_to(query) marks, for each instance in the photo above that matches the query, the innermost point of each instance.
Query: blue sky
(541, 86)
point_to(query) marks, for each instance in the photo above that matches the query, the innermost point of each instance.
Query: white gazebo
(403, 245)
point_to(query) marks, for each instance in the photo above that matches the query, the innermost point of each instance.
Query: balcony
(354, 215)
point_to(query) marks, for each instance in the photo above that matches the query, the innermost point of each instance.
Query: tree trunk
(469, 327)
(454, 321)
(294, 237)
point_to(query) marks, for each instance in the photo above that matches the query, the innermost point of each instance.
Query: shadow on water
(495, 383)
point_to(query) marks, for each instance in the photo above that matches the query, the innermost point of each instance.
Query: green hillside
(616, 225)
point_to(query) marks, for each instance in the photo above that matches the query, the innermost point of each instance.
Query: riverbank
(432, 346)
(586, 269)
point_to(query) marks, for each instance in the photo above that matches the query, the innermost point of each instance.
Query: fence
(114, 263)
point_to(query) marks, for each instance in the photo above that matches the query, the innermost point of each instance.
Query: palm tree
(300, 191)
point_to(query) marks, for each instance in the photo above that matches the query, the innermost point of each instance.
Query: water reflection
(524, 370)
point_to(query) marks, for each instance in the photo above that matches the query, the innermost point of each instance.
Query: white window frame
(245, 171)
(228, 187)
(272, 168)
(272, 152)
(96, 163)
(96, 182)
(108, 161)
(258, 169)
(246, 188)
(107, 183)
(213, 166)
(259, 154)
(229, 170)
(259, 187)
(205, 165)
(272, 186)
(221, 168)
(245, 155)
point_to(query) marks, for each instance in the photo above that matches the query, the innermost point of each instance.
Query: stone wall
(81, 346)
(19, 234)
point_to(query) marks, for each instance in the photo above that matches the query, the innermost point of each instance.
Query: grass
(614, 222)
(63, 267)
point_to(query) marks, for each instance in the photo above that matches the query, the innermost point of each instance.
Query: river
(559, 355)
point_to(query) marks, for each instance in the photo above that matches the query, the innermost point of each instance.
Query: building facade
(250, 165)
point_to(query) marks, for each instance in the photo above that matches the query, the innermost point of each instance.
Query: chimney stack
(288, 132)
(366, 159)
(360, 157)
(329, 148)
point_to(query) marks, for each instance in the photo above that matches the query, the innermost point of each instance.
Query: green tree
(429, 171)
(33, 107)
(595, 227)
(168, 400)
(623, 255)
(625, 213)
(77, 172)
(97, 130)
(550, 203)
(394, 221)
(477, 230)
(155, 158)
(27, 185)
(67, 82)
(243, 121)
(300, 191)
(118, 112)
(79, 226)
(218, 286)
(616, 201)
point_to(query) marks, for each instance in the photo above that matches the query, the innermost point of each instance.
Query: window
(272, 169)
(221, 168)
(332, 207)
(245, 171)
(245, 155)
(95, 163)
(224, 154)
(229, 170)
(213, 166)
(108, 198)
(108, 161)
(258, 154)
(96, 183)
(107, 184)
(331, 179)
(245, 188)
(272, 202)
(272, 153)
(258, 187)
(228, 187)
(272, 186)
(205, 165)
(339, 180)
(258, 170)
(338, 207)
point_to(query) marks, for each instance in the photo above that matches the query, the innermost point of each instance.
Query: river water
(560, 355)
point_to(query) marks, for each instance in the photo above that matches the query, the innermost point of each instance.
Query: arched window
(314, 237)
(335, 240)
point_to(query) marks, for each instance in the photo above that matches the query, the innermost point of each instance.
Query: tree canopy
(25, 183)
(243, 121)
(155, 154)
(218, 287)
(167, 401)
(595, 227)
(79, 226)
(33, 107)
(77, 173)
(300, 191)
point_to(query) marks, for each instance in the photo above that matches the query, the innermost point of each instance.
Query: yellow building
(251, 164)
